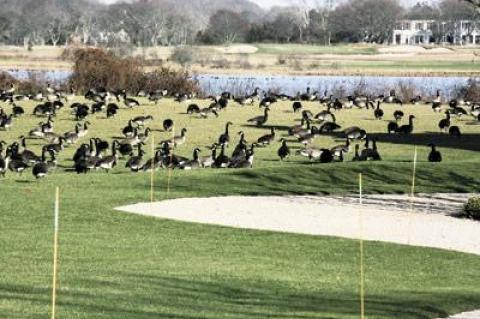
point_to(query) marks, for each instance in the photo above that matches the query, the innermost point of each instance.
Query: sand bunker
(380, 218)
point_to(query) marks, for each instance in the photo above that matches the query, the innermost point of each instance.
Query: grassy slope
(115, 265)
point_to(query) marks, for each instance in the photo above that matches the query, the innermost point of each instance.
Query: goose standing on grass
(178, 139)
(129, 102)
(40, 169)
(3, 162)
(260, 120)
(109, 162)
(434, 156)
(378, 112)
(15, 165)
(297, 106)
(408, 128)
(17, 111)
(355, 133)
(326, 156)
(209, 161)
(284, 151)
(142, 120)
(154, 163)
(375, 155)
(129, 130)
(168, 125)
(135, 163)
(224, 139)
(112, 110)
(266, 139)
(194, 163)
(445, 123)
(339, 149)
(398, 115)
(455, 131)
(222, 160)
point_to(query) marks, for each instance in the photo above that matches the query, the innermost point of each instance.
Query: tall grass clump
(98, 68)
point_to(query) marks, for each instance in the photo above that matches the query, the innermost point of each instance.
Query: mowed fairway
(115, 265)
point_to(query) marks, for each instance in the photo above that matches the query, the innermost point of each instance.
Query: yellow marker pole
(362, 271)
(170, 169)
(152, 173)
(412, 192)
(55, 251)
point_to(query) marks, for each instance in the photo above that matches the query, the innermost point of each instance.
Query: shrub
(27, 86)
(183, 55)
(97, 68)
(471, 92)
(281, 60)
(472, 208)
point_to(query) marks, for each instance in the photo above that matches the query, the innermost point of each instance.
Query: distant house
(422, 32)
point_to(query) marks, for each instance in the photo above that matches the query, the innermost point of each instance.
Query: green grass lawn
(276, 48)
(116, 265)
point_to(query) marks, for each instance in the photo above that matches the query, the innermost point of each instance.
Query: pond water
(337, 85)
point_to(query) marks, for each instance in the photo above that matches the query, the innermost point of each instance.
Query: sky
(270, 3)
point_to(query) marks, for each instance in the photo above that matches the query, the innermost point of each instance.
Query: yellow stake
(55, 250)
(362, 272)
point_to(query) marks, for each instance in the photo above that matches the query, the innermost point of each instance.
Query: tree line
(146, 23)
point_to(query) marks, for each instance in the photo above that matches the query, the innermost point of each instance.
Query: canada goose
(49, 89)
(458, 111)
(437, 107)
(101, 146)
(143, 137)
(168, 125)
(207, 112)
(7, 122)
(129, 130)
(40, 169)
(326, 156)
(378, 112)
(72, 137)
(194, 163)
(133, 140)
(407, 129)
(209, 161)
(392, 127)
(83, 131)
(308, 138)
(416, 100)
(154, 163)
(179, 139)
(296, 129)
(398, 115)
(355, 133)
(112, 110)
(82, 152)
(15, 165)
(222, 160)
(142, 120)
(284, 151)
(375, 154)
(193, 108)
(434, 156)
(325, 115)
(266, 139)
(329, 127)
(344, 148)
(56, 147)
(445, 123)
(129, 102)
(455, 131)
(109, 162)
(268, 101)
(358, 157)
(98, 107)
(135, 163)
(475, 110)
(310, 152)
(17, 110)
(245, 163)
(124, 149)
(224, 139)
(297, 106)
(260, 120)
(27, 155)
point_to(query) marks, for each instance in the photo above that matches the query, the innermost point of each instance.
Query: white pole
(55, 250)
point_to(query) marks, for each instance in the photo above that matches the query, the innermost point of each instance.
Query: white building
(422, 32)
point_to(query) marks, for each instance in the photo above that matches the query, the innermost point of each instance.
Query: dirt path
(380, 218)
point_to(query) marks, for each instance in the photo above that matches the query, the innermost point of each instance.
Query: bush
(28, 86)
(183, 56)
(471, 92)
(472, 208)
(97, 68)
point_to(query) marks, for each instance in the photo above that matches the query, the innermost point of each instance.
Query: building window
(407, 26)
(419, 26)
(430, 26)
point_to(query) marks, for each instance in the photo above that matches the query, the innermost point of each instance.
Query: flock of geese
(99, 154)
